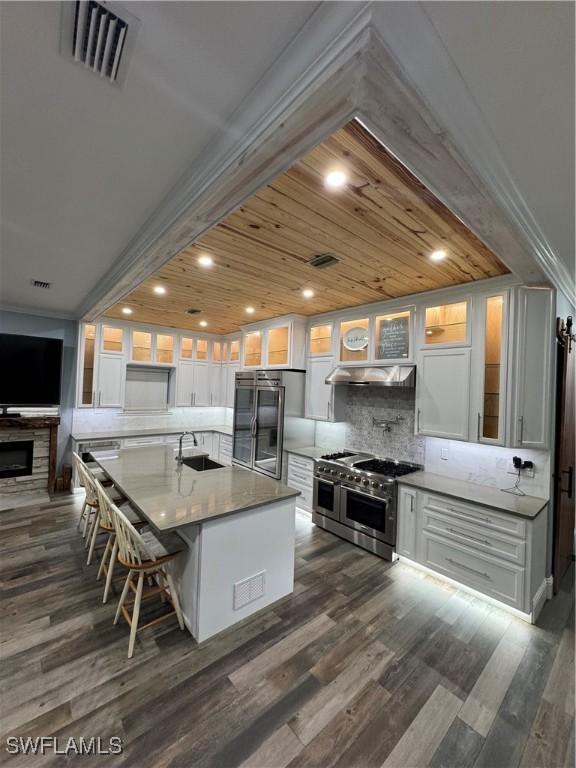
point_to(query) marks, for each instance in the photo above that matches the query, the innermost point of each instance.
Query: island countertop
(169, 496)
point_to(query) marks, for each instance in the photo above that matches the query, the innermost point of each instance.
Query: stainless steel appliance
(355, 497)
(264, 402)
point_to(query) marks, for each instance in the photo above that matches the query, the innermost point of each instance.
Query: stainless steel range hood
(381, 376)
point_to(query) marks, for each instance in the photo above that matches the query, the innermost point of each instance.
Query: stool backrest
(77, 464)
(132, 549)
(104, 504)
(89, 482)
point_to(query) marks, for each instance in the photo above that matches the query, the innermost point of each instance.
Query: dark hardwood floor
(367, 664)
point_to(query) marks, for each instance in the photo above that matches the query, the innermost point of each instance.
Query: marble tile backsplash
(109, 419)
(487, 464)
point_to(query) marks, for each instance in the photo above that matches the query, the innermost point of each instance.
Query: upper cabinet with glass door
(112, 339)
(277, 346)
(87, 371)
(155, 348)
(354, 340)
(253, 349)
(393, 337)
(446, 325)
(320, 340)
(491, 425)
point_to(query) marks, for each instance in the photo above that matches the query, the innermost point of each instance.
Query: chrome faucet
(179, 458)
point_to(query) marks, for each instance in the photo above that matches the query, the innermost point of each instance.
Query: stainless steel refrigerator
(263, 403)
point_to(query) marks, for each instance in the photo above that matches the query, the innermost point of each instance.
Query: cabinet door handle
(418, 420)
(467, 568)
(93, 399)
(99, 399)
(478, 428)
(521, 422)
(411, 503)
(570, 473)
(328, 410)
(472, 538)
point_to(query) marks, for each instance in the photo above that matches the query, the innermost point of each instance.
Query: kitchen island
(237, 529)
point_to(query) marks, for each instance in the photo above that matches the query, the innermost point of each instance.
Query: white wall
(88, 420)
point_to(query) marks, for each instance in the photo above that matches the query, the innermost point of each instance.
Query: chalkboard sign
(394, 338)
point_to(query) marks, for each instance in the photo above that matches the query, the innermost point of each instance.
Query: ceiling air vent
(98, 35)
(323, 260)
(40, 284)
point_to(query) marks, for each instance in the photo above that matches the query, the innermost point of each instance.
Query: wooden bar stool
(87, 515)
(144, 555)
(106, 525)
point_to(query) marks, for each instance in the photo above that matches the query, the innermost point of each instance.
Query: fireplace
(16, 458)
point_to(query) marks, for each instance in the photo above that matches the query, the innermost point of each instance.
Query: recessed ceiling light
(205, 260)
(250, 310)
(429, 333)
(126, 311)
(203, 323)
(160, 290)
(335, 179)
(438, 255)
(308, 293)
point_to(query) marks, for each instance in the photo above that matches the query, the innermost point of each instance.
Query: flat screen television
(30, 370)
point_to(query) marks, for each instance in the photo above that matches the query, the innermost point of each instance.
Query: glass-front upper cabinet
(112, 339)
(320, 339)
(491, 420)
(87, 373)
(234, 351)
(201, 349)
(217, 350)
(278, 340)
(253, 349)
(142, 346)
(446, 324)
(354, 340)
(164, 348)
(186, 348)
(392, 340)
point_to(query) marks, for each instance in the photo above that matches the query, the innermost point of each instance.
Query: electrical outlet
(444, 454)
(528, 472)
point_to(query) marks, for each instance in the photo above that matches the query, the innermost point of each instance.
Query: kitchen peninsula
(237, 529)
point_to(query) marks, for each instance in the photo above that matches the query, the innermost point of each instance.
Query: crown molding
(362, 70)
(37, 312)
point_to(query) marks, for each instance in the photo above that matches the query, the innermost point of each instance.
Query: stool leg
(94, 531)
(111, 565)
(135, 614)
(82, 514)
(87, 516)
(94, 515)
(175, 601)
(123, 597)
(104, 556)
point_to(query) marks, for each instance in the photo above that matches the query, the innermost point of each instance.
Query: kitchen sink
(201, 463)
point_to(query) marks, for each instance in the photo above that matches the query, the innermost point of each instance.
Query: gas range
(363, 470)
(355, 497)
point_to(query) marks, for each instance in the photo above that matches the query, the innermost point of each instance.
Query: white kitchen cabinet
(443, 393)
(203, 384)
(494, 552)
(300, 475)
(225, 450)
(279, 343)
(111, 381)
(229, 384)
(193, 384)
(324, 402)
(406, 536)
(532, 375)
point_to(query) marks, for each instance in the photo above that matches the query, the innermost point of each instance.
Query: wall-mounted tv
(30, 370)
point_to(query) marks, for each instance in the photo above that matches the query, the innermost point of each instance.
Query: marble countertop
(110, 434)
(523, 506)
(170, 497)
(309, 451)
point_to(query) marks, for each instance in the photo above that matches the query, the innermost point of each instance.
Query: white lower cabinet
(443, 393)
(300, 476)
(225, 450)
(406, 532)
(496, 553)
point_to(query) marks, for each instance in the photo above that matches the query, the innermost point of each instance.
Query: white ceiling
(84, 164)
(517, 59)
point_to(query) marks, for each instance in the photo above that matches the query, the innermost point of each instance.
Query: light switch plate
(444, 454)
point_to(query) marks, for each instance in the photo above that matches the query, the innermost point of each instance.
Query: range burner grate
(337, 455)
(382, 467)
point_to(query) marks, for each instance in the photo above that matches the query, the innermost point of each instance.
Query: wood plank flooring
(367, 664)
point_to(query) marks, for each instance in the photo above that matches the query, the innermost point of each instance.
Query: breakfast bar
(236, 527)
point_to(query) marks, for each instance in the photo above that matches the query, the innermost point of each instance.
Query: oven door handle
(328, 482)
(387, 499)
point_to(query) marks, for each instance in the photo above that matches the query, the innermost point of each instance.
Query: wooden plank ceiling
(382, 226)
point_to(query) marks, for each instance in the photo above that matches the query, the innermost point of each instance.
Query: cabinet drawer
(300, 485)
(475, 514)
(297, 474)
(475, 536)
(301, 463)
(502, 581)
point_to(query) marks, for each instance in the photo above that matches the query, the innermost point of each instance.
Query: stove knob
(357, 478)
(350, 477)
(374, 484)
(366, 482)
(341, 474)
